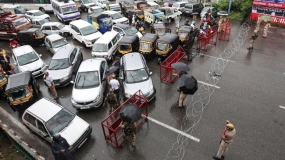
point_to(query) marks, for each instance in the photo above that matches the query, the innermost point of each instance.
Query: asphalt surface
(250, 94)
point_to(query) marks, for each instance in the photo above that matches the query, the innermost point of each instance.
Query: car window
(109, 45)
(41, 126)
(55, 28)
(73, 54)
(30, 119)
(37, 23)
(114, 40)
(46, 28)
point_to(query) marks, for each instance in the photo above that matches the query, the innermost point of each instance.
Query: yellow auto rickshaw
(128, 44)
(147, 45)
(3, 83)
(160, 29)
(166, 45)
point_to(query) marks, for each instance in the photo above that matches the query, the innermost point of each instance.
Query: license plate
(84, 107)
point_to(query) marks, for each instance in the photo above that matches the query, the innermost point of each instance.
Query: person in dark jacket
(182, 96)
(60, 148)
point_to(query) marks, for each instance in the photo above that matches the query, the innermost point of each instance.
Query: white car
(95, 9)
(54, 42)
(102, 3)
(37, 23)
(55, 27)
(47, 118)
(37, 14)
(27, 59)
(116, 17)
(86, 4)
(84, 32)
(90, 81)
(115, 7)
(126, 30)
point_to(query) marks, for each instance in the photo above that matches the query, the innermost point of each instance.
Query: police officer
(187, 22)
(266, 27)
(111, 100)
(129, 130)
(252, 39)
(258, 23)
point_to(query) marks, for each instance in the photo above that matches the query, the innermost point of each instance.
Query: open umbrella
(223, 13)
(180, 66)
(188, 82)
(112, 69)
(130, 113)
(266, 18)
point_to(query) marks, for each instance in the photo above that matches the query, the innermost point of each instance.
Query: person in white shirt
(49, 81)
(115, 85)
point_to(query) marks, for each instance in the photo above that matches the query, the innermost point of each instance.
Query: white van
(116, 17)
(107, 45)
(101, 3)
(84, 32)
(66, 10)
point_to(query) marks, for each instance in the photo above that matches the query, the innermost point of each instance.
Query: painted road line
(215, 57)
(174, 129)
(209, 84)
(282, 107)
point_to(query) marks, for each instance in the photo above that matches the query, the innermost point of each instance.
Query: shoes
(216, 158)
(179, 106)
(55, 98)
(133, 145)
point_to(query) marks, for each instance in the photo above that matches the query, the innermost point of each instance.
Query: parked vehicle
(55, 27)
(187, 34)
(37, 23)
(102, 3)
(37, 14)
(31, 36)
(180, 6)
(86, 4)
(152, 17)
(27, 59)
(126, 30)
(128, 44)
(159, 29)
(135, 75)
(95, 9)
(100, 21)
(64, 64)
(170, 13)
(139, 5)
(115, 7)
(54, 42)
(106, 46)
(84, 32)
(169, 3)
(47, 118)
(3, 83)
(213, 10)
(139, 13)
(13, 8)
(125, 7)
(153, 5)
(193, 8)
(65, 11)
(116, 17)
(147, 45)
(22, 88)
(91, 82)
(166, 45)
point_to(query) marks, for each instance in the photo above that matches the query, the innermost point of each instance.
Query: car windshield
(115, 8)
(21, 21)
(97, 10)
(59, 121)
(27, 58)
(43, 21)
(188, 6)
(205, 9)
(99, 47)
(56, 64)
(125, 47)
(86, 1)
(88, 30)
(69, 9)
(144, 46)
(60, 26)
(135, 76)
(39, 33)
(38, 13)
(116, 16)
(59, 43)
(131, 31)
(160, 31)
(162, 46)
(87, 80)
(105, 2)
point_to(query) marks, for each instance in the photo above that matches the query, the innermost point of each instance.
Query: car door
(30, 122)
(46, 30)
(78, 35)
(103, 68)
(55, 29)
(73, 60)
(42, 131)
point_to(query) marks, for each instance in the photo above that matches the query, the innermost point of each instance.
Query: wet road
(250, 93)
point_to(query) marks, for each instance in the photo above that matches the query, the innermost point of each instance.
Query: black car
(31, 36)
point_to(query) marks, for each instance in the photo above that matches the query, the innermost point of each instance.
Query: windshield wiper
(83, 82)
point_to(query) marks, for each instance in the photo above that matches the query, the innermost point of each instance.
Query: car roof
(123, 26)
(63, 52)
(152, 3)
(50, 24)
(168, 38)
(158, 25)
(95, 7)
(191, 3)
(180, 2)
(44, 109)
(109, 12)
(92, 64)
(128, 39)
(54, 37)
(21, 50)
(33, 11)
(149, 37)
(133, 61)
(115, 4)
(185, 28)
(80, 23)
(107, 37)
(19, 79)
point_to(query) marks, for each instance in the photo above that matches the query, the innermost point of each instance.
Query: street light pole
(230, 6)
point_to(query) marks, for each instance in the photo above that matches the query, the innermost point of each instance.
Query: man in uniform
(115, 85)
(258, 23)
(111, 100)
(266, 27)
(252, 39)
(177, 20)
(129, 130)
(221, 21)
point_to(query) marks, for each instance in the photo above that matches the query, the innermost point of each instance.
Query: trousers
(53, 91)
(222, 149)
(182, 99)
(251, 42)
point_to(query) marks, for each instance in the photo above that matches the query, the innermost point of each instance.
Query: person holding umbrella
(129, 130)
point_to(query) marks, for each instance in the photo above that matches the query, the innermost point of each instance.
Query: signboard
(271, 1)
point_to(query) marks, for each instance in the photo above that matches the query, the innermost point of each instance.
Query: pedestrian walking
(182, 95)
(258, 23)
(177, 20)
(115, 85)
(49, 81)
(111, 100)
(60, 148)
(226, 140)
(129, 130)
(130, 19)
(221, 21)
(266, 27)
(252, 39)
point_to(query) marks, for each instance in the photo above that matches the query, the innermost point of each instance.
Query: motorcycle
(140, 26)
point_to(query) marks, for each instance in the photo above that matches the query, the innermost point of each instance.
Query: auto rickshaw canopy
(185, 29)
(19, 80)
(168, 38)
(148, 37)
(128, 39)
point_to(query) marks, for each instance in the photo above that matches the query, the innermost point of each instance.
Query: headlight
(65, 78)
(72, 101)
(97, 99)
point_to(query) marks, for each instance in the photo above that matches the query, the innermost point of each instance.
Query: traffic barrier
(207, 39)
(225, 33)
(167, 73)
(113, 134)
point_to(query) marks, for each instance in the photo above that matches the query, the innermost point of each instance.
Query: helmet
(193, 22)
(255, 31)
(230, 126)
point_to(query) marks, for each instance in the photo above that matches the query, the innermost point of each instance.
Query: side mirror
(150, 73)
(40, 55)
(121, 78)
(72, 63)
(72, 82)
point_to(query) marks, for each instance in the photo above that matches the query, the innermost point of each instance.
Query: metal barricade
(113, 134)
(167, 73)
(208, 39)
(225, 33)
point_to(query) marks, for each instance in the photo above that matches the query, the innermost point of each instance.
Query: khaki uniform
(130, 130)
(251, 40)
(220, 23)
(112, 102)
(266, 27)
(53, 91)
(225, 143)
(258, 24)
(182, 99)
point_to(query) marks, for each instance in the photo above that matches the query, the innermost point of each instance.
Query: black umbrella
(180, 66)
(130, 113)
(188, 82)
(112, 69)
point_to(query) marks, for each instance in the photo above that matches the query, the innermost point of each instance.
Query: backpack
(111, 98)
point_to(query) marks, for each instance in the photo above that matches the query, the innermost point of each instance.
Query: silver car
(64, 65)
(90, 83)
(54, 42)
(135, 76)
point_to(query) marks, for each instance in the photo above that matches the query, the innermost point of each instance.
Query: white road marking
(215, 57)
(174, 129)
(282, 107)
(209, 84)
(283, 73)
